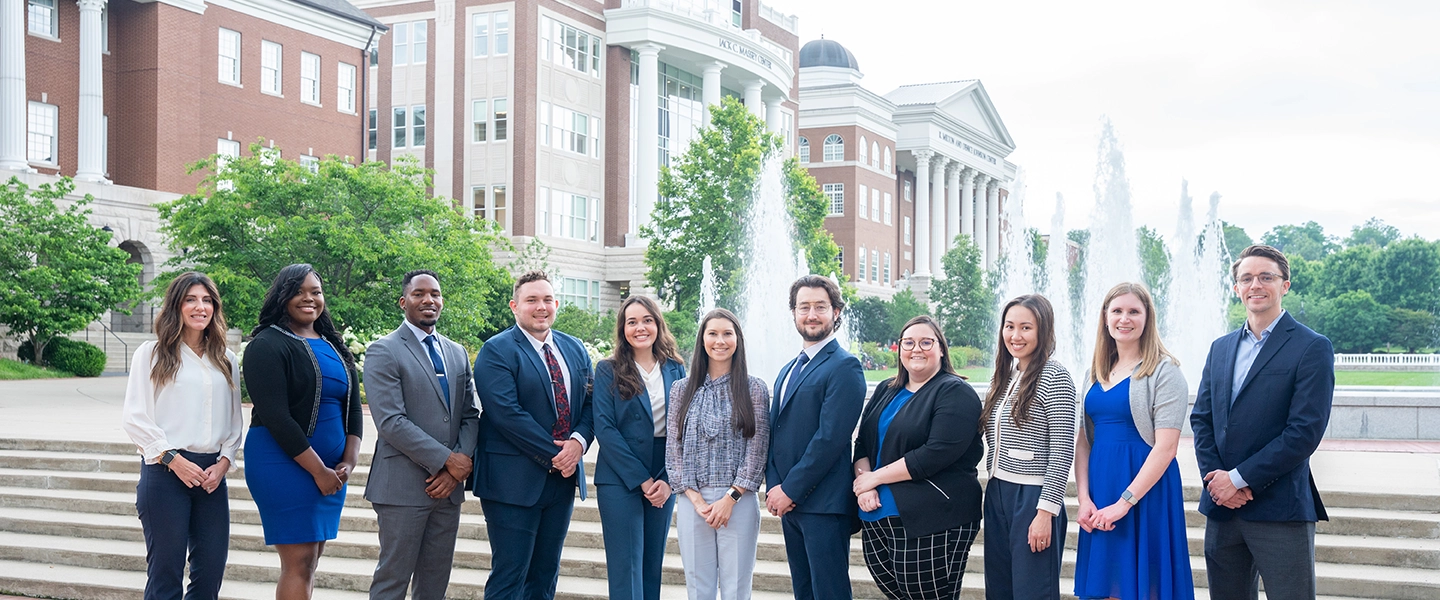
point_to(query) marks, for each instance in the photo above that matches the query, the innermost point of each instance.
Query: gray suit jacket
(417, 432)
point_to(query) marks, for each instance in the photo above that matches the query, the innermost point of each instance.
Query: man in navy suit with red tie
(535, 425)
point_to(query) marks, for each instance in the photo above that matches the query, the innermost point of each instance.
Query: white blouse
(198, 411)
(655, 386)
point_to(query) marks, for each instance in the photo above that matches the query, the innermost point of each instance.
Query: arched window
(834, 148)
(864, 154)
(887, 160)
(804, 150)
(874, 154)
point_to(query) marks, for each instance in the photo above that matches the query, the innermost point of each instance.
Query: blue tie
(439, 368)
(794, 377)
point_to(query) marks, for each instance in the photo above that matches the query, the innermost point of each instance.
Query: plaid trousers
(928, 567)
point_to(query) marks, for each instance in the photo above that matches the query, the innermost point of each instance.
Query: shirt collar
(538, 344)
(815, 349)
(420, 333)
(1265, 333)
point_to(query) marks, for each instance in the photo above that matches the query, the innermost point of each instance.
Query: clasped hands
(1092, 518)
(1223, 491)
(571, 451)
(442, 483)
(866, 490)
(192, 475)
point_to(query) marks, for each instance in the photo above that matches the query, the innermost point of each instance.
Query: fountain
(708, 287)
(772, 263)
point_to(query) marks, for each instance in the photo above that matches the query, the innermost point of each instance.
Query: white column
(967, 202)
(90, 165)
(13, 110)
(937, 215)
(922, 212)
(648, 133)
(753, 90)
(980, 230)
(710, 91)
(992, 217)
(441, 116)
(952, 204)
(772, 114)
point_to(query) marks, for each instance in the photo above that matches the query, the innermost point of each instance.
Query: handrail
(105, 345)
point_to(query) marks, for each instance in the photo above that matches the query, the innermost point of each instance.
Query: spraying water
(708, 288)
(772, 263)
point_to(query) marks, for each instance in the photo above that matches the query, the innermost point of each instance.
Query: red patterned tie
(561, 430)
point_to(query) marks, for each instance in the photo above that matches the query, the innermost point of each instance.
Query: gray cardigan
(1156, 402)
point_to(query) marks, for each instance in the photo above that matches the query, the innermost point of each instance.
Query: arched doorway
(141, 312)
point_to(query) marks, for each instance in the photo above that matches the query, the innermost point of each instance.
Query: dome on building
(827, 53)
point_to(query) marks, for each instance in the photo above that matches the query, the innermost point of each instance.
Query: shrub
(75, 357)
(877, 357)
(967, 356)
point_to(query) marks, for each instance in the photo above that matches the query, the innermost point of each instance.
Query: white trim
(294, 15)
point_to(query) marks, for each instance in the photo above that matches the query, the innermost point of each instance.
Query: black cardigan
(937, 433)
(283, 380)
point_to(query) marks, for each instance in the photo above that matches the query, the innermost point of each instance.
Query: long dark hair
(1030, 381)
(170, 327)
(275, 312)
(628, 382)
(902, 378)
(742, 408)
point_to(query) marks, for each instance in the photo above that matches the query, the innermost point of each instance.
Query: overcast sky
(1292, 110)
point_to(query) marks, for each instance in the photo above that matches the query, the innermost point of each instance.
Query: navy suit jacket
(810, 437)
(1273, 424)
(517, 412)
(626, 430)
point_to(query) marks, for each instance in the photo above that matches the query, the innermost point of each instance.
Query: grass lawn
(981, 374)
(11, 369)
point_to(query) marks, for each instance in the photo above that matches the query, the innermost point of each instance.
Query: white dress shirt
(421, 335)
(199, 411)
(813, 350)
(539, 346)
(655, 387)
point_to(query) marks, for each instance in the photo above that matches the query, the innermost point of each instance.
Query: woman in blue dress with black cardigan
(305, 428)
(1132, 510)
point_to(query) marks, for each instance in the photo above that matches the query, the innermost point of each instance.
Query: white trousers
(718, 559)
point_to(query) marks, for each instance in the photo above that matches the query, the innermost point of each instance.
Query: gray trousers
(718, 559)
(416, 542)
(1239, 553)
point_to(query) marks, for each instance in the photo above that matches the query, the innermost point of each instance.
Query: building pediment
(964, 102)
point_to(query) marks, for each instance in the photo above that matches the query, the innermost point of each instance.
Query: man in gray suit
(421, 396)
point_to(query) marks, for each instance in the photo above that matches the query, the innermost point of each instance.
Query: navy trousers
(525, 542)
(1011, 569)
(177, 520)
(818, 549)
(635, 536)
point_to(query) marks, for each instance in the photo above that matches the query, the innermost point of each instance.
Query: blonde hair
(1151, 348)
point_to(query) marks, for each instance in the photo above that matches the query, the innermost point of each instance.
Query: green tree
(870, 320)
(1308, 240)
(902, 307)
(57, 272)
(1306, 276)
(1407, 274)
(1354, 322)
(705, 196)
(1347, 270)
(1373, 232)
(1412, 329)
(593, 327)
(361, 226)
(1154, 264)
(1235, 238)
(964, 301)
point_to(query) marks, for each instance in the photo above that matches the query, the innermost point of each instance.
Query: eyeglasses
(819, 309)
(1265, 278)
(925, 343)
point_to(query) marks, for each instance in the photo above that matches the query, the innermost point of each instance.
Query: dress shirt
(539, 346)
(655, 387)
(198, 411)
(420, 336)
(812, 350)
(1245, 356)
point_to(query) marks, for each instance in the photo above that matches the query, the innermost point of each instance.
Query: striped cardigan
(1042, 450)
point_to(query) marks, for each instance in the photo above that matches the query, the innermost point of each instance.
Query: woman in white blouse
(182, 409)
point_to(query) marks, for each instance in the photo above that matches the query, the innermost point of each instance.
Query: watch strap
(735, 494)
(1129, 497)
(167, 456)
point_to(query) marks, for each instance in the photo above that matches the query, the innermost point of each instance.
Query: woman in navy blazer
(631, 398)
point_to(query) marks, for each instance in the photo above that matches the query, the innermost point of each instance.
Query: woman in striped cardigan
(1029, 423)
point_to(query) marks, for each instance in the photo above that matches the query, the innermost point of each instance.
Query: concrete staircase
(118, 346)
(68, 530)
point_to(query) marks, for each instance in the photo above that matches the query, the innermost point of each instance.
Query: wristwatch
(735, 494)
(1129, 497)
(168, 456)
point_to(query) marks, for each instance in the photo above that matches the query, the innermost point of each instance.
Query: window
(804, 150)
(864, 202)
(345, 94)
(875, 155)
(836, 192)
(885, 277)
(480, 119)
(787, 126)
(889, 207)
(480, 199)
(566, 129)
(417, 129)
(875, 205)
(864, 264)
(840, 257)
(310, 78)
(498, 206)
(864, 153)
(502, 33)
(887, 160)
(374, 57)
(44, 19)
(42, 140)
(569, 215)
(489, 207)
(417, 43)
(270, 65)
(501, 131)
(397, 122)
(834, 148)
(905, 225)
(268, 156)
(227, 150)
(569, 47)
(735, 6)
(583, 293)
(909, 196)
(401, 33)
(229, 57)
(480, 24)
(310, 162)
(874, 265)
(373, 127)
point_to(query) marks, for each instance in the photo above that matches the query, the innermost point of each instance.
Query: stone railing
(790, 23)
(1387, 362)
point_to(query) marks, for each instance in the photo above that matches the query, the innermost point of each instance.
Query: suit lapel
(575, 361)
(810, 367)
(671, 373)
(775, 395)
(422, 357)
(1278, 337)
(1226, 380)
(543, 372)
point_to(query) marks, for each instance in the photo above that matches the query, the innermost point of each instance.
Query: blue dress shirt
(1245, 355)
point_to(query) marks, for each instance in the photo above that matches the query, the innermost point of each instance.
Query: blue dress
(292, 509)
(1146, 555)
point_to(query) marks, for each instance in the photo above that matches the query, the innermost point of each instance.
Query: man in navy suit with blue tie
(817, 402)
(535, 425)
(1262, 408)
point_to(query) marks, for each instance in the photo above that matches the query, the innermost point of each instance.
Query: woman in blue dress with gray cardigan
(305, 428)
(1132, 513)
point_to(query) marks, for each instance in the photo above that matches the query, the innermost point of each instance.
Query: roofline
(369, 20)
